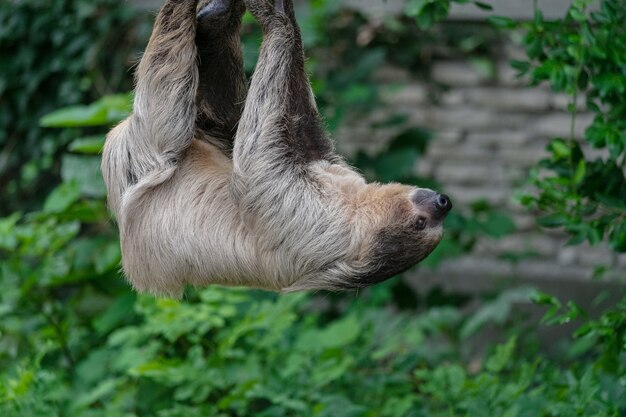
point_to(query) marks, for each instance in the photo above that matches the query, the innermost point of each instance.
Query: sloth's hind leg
(222, 85)
(144, 150)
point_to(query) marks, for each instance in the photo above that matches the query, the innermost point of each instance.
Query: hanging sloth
(213, 182)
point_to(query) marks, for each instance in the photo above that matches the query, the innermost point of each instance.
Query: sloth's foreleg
(280, 128)
(143, 151)
(279, 137)
(222, 88)
(167, 81)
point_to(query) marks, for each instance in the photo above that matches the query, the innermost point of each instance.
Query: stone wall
(515, 9)
(490, 129)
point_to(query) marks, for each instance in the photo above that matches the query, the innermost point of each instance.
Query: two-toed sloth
(215, 182)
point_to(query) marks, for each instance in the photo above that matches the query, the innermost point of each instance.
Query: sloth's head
(378, 230)
(404, 225)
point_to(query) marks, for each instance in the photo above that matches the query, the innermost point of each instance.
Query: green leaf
(91, 145)
(62, 197)
(560, 149)
(338, 334)
(8, 238)
(109, 258)
(415, 7)
(76, 116)
(85, 171)
(483, 6)
(118, 312)
(104, 112)
(496, 311)
(553, 220)
(499, 360)
(521, 66)
(413, 138)
(394, 164)
(577, 14)
(502, 22)
(581, 169)
(538, 20)
(618, 237)
(102, 390)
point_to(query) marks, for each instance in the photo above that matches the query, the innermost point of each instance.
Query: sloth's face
(405, 225)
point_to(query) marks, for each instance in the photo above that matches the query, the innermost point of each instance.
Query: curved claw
(280, 6)
(266, 11)
(220, 8)
(214, 9)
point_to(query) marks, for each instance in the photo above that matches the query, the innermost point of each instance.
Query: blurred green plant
(228, 352)
(74, 340)
(581, 186)
(55, 54)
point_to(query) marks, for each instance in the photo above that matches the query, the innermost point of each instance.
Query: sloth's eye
(421, 223)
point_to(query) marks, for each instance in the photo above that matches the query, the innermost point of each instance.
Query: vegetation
(74, 340)
(54, 54)
(584, 56)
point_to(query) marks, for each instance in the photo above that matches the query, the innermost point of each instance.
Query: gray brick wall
(489, 132)
(519, 9)
(516, 9)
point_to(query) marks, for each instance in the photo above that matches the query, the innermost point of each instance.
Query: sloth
(213, 181)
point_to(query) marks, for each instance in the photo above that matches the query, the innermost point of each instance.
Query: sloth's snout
(443, 204)
(437, 205)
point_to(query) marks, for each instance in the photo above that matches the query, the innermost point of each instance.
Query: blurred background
(516, 109)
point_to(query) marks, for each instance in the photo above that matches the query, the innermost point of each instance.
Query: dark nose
(435, 204)
(443, 203)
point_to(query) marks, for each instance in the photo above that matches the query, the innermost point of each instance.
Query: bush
(584, 56)
(74, 340)
(54, 54)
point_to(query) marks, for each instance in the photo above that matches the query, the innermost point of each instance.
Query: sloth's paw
(266, 9)
(279, 5)
(215, 16)
(214, 8)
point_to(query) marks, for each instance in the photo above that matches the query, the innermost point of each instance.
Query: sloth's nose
(443, 203)
(437, 205)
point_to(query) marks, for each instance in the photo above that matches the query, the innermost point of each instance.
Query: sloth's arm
(298, 231)
(222, 87)
(280, 131)
(144, 149)
(167, 81)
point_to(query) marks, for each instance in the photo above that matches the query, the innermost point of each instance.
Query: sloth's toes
(279, 5)
(215, 8)
(261, 9)
(266, 9)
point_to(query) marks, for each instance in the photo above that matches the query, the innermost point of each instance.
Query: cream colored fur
(190, 213)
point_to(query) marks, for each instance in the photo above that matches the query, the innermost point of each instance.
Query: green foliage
(76, 341)
(427, 12)
(228, 352)
(54, 53)
(583, 55)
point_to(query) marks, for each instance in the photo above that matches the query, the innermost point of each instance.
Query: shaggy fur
(212, 187)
